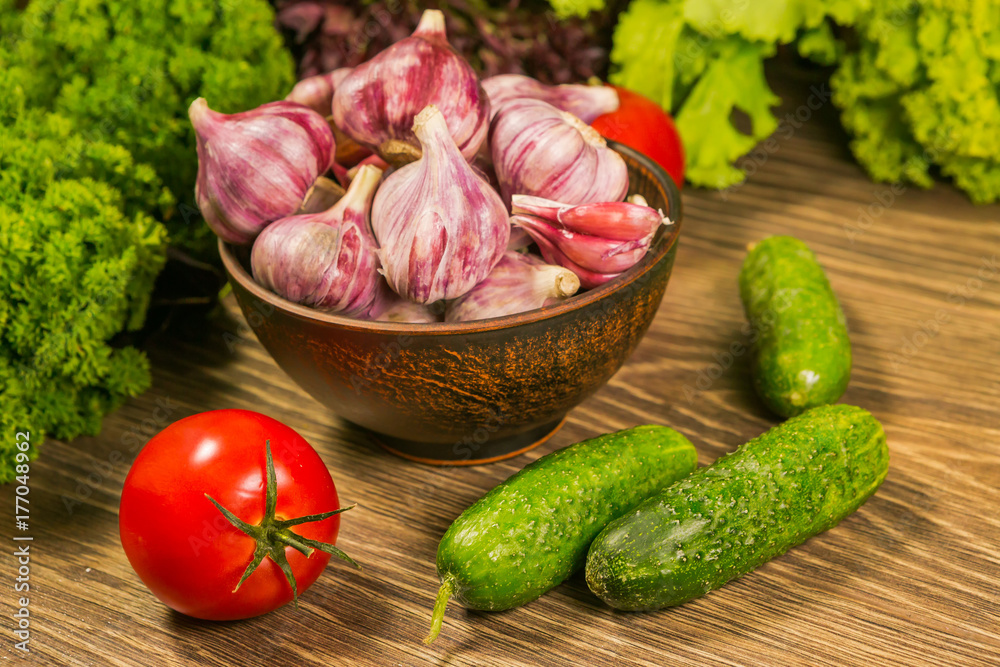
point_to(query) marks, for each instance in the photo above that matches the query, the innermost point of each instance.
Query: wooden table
(911, 579)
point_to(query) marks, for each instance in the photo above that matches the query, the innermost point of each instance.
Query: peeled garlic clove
(517, 284)
(316, 92)
(440, 226)
(377, 103)
(553, 255)
(623, 221)
(325, 260)
(541, 151)
(593, 253)
(256, 167)
(584, 102)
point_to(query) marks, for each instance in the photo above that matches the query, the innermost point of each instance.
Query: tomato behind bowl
(641, 124)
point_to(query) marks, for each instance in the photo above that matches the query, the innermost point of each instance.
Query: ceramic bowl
(469, 392)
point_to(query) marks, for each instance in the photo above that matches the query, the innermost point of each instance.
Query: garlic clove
(376, 104)
(541, 151)
(623, 221)
(517, 284)
(593, 253)
(326, 260)
(440, 226)
(613, 220)
(553, 255)
(256, 166)
(583, 101)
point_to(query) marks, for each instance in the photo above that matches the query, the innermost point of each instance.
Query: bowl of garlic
(449, 263)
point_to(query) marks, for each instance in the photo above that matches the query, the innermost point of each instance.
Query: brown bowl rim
(661, 247)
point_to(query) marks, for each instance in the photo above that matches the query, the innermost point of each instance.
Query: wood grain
(911, 579)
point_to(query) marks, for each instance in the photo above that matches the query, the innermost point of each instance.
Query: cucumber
(531, 532)
(776, 491)
(802, 352)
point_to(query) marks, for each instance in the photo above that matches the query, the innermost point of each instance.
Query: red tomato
(185, 549)
(641, 124)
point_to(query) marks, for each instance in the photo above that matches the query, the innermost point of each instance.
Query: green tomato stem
(273, 535)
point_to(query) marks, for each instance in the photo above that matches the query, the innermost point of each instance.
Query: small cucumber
(802, 353)
(532, 532)
(776, 491)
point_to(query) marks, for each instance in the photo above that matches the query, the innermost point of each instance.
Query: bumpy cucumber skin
(531, 532)
(802, 352)
(773, 493)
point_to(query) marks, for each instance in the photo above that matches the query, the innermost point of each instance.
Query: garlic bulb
(326, 260)
(440, 226)
(377, 102)
(584, 102)
(542, 151)
(256, 167)
(316, 92)
(517, 284)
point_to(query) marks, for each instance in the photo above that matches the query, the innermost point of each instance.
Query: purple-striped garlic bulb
(542, 151)
(584, 102)
(378, 101)
(440, 226)
(326, 260)
(519, 283)
(256, 166)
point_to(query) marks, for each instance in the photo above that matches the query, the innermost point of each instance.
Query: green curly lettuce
(918, 84)
(124, 72)
(703, 59)
(923, 90)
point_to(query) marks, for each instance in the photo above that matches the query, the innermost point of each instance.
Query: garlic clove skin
(583, 101)
(517, 284)
(376, 104)
(588, 279)
(326, 260)
(541, 151)
(623, 221)
(593, 253)
(256, 166)
(440, 226)
(316, 92)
